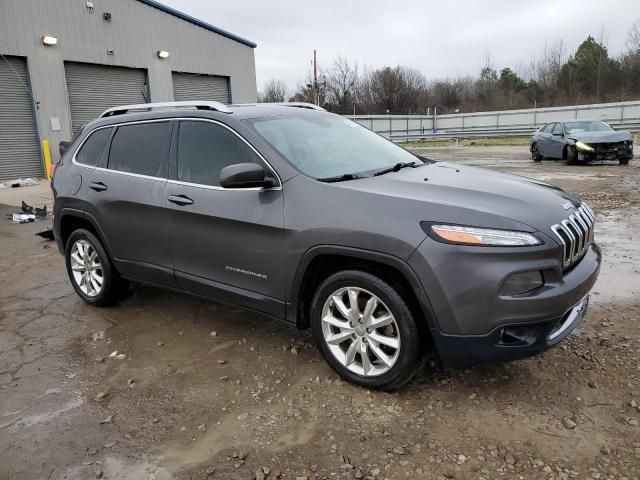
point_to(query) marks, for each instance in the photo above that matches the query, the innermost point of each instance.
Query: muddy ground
(200, 390)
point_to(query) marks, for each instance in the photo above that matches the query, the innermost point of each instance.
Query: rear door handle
(98, 186)
(181, 200)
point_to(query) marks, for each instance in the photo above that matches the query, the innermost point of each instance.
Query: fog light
(522, 282)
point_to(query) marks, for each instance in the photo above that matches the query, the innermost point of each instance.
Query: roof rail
(310, 106)
(200, 105)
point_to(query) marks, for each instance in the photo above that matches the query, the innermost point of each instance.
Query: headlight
(484, 236)
(584, 147)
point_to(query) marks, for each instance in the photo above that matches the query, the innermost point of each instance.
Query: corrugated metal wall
(94, 88)
(132, 38)
(188, 86)
(19, 148)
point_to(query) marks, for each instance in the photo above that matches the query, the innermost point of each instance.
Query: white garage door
(94, 88)
(19, 149)
(189, 86)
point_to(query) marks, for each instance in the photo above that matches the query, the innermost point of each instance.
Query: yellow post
(47, 158)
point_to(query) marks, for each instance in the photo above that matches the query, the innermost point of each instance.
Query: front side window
(92, 148)
(557, 130)
(205, 148)
(548, 128)
(141, 148)
(325, 145)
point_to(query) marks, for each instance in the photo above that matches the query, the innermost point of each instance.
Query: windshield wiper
(339, 178)
(395, 168)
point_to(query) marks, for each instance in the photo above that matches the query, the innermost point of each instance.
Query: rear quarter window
(92, 148)
(141, 149)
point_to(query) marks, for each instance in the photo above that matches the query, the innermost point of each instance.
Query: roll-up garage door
(189, 86)
(94, 88)
(19, 149)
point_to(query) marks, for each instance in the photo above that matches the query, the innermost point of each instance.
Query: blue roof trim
(195, 21)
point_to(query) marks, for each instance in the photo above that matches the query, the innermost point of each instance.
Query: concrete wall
(135, 33)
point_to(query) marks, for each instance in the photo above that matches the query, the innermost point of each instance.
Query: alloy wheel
(86, 268)
(360, 331)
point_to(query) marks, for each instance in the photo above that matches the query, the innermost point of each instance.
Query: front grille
(575, 234)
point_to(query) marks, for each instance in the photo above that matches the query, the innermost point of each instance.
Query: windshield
(324, 145)
(586, 126)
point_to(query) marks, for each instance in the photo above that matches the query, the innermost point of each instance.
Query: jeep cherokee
(308, 217)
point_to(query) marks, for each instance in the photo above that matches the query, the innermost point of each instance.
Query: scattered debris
(20, 182)
(109, 419)
(47, 234)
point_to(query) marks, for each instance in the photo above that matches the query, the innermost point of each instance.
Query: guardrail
(621, 115)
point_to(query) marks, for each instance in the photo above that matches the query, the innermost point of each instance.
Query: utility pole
(316, 92)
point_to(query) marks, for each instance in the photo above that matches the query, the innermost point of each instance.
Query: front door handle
(181, 200)
(98, 186)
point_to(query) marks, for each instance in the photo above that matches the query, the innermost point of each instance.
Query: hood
(474, 196)
(600, 137)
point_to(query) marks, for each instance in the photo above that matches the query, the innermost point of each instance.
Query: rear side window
(92, 148)
(140, 149)
(206, 148)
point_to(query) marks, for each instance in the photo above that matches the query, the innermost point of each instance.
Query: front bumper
(606, 152)
(508, 342)
(474, 323)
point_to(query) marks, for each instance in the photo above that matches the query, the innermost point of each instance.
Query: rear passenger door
(227, 244)
(127, 190)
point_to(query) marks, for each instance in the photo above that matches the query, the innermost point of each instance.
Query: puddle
(620, 272)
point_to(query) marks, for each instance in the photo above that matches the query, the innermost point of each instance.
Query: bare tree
(274, 91)
(633, 38)
(341, 81)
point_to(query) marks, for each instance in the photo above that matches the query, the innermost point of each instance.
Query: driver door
(227, 244)
(557, 142)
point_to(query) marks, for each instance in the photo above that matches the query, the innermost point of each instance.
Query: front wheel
(365, 330)
(572, 155)
(625, 161)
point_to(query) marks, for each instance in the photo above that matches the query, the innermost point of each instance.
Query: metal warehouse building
(63, 62)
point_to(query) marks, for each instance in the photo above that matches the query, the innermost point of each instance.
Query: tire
(350, 341)
(535, 153)
(571, 155)
(625, 161)
(92, 291)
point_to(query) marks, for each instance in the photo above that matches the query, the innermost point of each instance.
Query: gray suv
(308, 217)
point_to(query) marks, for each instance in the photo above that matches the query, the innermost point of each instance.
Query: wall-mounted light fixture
(163, 54)
(49, 40)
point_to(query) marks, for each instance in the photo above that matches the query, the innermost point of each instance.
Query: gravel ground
(199, 390)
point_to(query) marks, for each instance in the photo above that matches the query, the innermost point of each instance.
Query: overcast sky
(442, 39)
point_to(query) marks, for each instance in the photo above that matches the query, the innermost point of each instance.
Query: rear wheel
(90, 270)
(535, 153)
(365, 330)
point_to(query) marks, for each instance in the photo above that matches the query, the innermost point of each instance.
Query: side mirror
(62, 147)
(245, 175)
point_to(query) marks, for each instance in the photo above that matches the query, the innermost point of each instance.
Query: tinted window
(205, 148)
(140, 148)
(92, 148)
(557, 129)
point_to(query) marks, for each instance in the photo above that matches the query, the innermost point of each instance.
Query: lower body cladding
(476, 322)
